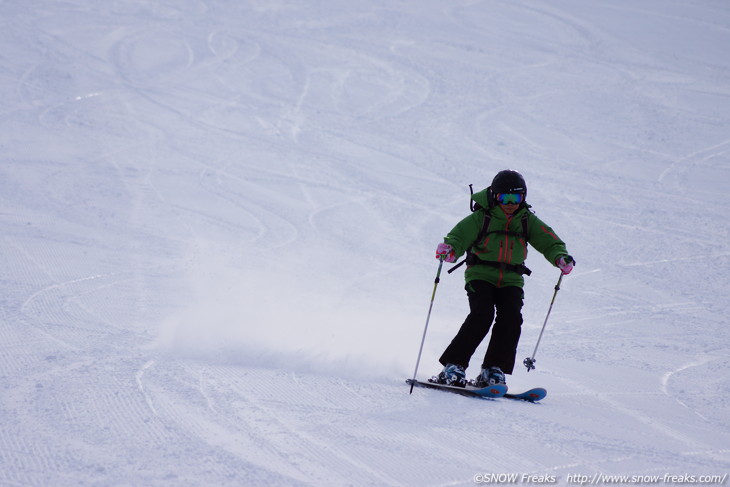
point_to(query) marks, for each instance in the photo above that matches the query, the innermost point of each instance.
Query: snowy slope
(218, 221)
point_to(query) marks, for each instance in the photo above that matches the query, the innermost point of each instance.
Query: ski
(496, 391)
(531, 395)
(490, 392)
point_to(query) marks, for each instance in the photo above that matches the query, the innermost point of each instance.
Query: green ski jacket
(498, 246)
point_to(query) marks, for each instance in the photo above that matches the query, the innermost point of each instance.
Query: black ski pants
(484, 299)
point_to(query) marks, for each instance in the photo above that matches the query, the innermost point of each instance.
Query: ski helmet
(509, 181)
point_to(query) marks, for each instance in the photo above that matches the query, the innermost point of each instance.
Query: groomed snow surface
(218, 221)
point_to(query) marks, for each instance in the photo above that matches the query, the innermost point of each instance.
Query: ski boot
(452, 375)
(489, 377)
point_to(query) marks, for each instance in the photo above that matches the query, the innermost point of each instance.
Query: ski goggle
(510, 198)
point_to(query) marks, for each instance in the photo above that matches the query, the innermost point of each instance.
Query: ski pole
(529, 362)
(428, 318)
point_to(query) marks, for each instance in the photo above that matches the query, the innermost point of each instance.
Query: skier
(495, 238)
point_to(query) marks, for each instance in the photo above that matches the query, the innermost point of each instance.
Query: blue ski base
(491, 392)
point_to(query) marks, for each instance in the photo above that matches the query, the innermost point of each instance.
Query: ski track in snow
(218, 221)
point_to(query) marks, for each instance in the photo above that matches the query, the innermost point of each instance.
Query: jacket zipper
(504, 252)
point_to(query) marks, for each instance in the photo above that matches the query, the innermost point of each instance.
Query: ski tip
(532, 395)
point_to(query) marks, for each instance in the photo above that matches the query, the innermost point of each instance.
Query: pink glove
(445, 252)
(565, 264)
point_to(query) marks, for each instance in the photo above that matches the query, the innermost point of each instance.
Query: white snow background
(219, 217)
